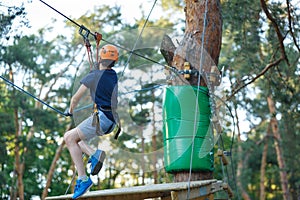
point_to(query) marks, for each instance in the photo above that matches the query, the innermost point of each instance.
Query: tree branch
(281, 47)
(269, 66)
(46, 97)
(290, 25)
(277, 30)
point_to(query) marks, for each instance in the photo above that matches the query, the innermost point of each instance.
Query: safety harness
(84, 32)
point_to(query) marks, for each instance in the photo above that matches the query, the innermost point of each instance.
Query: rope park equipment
(190, 136)
(212, 76)
(186, 72)
(31, 95)
(85, 33)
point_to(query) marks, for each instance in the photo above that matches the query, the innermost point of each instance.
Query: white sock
(83, 178)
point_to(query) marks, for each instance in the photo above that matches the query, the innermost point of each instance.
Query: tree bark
(200, 47)
(277, 141)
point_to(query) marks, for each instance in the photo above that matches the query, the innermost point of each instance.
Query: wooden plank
(201, 192)
(165, 191)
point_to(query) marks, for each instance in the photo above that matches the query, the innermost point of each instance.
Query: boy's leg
(72, 138)
(96, 161)
(96, 157)
(88, 150)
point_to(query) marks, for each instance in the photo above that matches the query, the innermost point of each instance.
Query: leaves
(47, 69)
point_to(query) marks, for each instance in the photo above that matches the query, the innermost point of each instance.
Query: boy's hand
(67, 113)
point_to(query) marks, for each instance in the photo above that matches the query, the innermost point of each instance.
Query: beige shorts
(90, 131)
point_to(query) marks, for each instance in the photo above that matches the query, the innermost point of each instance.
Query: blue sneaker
(96, 161)
(81, 187)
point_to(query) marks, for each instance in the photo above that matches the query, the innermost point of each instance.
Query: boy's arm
(76, 97)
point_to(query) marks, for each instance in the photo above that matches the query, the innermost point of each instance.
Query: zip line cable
(31, 95)
(133, 91)
(86, 34)
(63, 15)
(134, 46)
(89, 32)
(124, 93)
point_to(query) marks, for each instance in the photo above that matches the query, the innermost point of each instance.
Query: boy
(103, 86)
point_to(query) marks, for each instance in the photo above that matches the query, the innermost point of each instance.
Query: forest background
(260, 57)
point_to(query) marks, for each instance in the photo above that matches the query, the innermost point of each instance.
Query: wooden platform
(200, 190)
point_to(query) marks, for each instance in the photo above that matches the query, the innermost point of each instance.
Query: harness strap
(116, 115)
(98, 38)
(96, 122)
(117, 120)
(89, 52)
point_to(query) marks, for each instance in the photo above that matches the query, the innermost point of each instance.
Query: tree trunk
(17, 193)
(143, 157)
(263, 169)
(240, 164)
(263, 165)
(154, 143)
(18, 164)
(277, 141)
(52, 167)
(203, 24)
(51, 170)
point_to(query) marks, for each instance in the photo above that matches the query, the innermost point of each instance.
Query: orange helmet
(109, 52)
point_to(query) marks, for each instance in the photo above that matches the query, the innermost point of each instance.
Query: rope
(124, 93)
(62, 14)
(128, 60)
(231, 146)
(225, 179)
(87, 32)
(31, 95)
(95, 36)
(197, 107)
(172, 69)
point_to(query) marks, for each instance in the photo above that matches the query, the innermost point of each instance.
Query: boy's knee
(68, 137)
(72, 136)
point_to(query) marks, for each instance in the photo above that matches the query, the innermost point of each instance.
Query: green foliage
(173, 5)
(7, 123)
(8, 17)
(249, 44)
(241, 36)
(32, 60)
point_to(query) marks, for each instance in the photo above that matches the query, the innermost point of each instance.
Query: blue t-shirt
(103, 85)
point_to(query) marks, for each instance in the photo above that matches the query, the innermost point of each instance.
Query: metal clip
(84, 32)
(187, 67)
